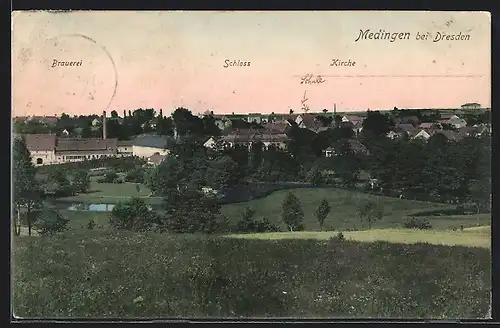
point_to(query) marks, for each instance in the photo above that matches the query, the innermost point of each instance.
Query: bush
(415, 223)
(133, 215)
(50, 222)
(135, 176)
(249, 225)
(91, 225)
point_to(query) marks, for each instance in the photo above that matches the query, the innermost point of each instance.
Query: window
(39, 161)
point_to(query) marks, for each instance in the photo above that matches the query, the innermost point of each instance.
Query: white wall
(47, 156)
(142, 151)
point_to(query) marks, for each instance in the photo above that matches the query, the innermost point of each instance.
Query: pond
(92, 207)
(81, 207)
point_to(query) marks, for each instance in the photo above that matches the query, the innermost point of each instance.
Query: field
(343, 204)
(107, 274)
(470, 237)
(383, 272)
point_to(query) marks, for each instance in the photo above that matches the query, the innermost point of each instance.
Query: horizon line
(270, 113)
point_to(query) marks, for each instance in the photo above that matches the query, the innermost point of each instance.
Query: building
(256, 118)
(124, 148)
(308, 121)
(223, 122)
(248, 138)
(156, 159)
(47, 149)
(471, 106)
(457, 122)
(146, 145)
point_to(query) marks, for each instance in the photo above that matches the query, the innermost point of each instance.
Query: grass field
(470, 237)
(343, 204)
(102, 274)
(112, 193)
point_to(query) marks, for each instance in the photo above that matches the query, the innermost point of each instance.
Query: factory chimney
(104, 133)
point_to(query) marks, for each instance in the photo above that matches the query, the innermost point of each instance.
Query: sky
(164, 60)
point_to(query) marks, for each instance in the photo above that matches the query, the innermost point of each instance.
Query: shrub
(249, 225)
(132, 215)
(415, 223)
(336, 241)
(135, 176)
(189, 211)
(50, 222)
(370, 212)
(91, 225)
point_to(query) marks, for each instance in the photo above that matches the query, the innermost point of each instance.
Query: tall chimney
(104, 124)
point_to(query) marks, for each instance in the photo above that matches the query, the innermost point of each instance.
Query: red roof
(41, 142)
(86, 144)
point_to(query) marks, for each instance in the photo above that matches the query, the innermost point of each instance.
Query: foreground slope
(108, 274)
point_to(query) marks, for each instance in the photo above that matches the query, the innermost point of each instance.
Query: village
(270, 129)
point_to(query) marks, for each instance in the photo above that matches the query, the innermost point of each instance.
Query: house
(404, 128)
(278, 127)
(352, 118)
(420, 134)
(248, 137)
(354, 144)
(222, 122)
(146, 145)
(256, 118)
(65, 133)
(394, 135)
(96, 122)
(457, 122)
(471, 106)
(472, 131)
(210, 143)
(156, 159)
(124, 148)
(308, 121)
(451, 135)
(427, 125)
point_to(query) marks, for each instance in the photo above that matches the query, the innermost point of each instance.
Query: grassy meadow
(343, 203)
(470, 237)
(383, 272)
(103, 274)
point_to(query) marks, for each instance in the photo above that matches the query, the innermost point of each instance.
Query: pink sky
(168, 59)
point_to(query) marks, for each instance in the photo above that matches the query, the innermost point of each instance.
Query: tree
(110, 177)
(322, 212)
(81, 181)
(59, 182)
(86, 131)
(370, 212)
(188, 210)
(223, 173)
(27, 193)
(50, 222)
(133, 215)
(292, 214)
(376, 123)
(314, 175)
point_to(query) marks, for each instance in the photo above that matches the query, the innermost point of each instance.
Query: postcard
(277, 165)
